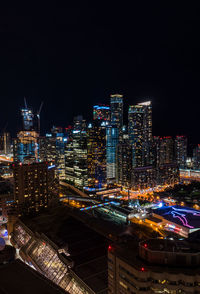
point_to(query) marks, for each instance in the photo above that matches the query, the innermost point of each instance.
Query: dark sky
(74, 56)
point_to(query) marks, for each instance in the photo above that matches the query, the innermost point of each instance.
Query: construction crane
(38, 116)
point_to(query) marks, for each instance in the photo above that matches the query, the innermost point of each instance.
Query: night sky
(76, 55)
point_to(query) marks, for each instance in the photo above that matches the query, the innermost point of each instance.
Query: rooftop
(184, 216)
(17, 277)
(87, 248)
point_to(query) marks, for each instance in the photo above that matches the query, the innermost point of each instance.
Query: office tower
(79, 123)
(154, 266)
(69, 158)
(101, 113)
(96, 155)
(112, 140)
(156, 151)
(52, 150)
(25, 147)
(196, 157)
(136, 134)
(147, 128)
(79, 137)
(166, 150)
(5, 143)
(76, 154)
(140, 133)
(116, 109)
(47, 147)
(124, 162)
(32, 186)
(181, 151)
(27, 119)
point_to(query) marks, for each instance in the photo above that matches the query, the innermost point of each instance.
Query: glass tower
(112, 139)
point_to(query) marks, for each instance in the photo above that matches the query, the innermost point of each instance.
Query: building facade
(32, 186)
(96, 155)
(154, 266)
(181, 151)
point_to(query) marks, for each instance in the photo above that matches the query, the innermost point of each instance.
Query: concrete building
(32, 186)
(154, 266)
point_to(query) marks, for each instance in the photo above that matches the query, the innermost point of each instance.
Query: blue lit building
(96, 155)
(25, 147)
(112, 139)
(116, 109)
(101, 112)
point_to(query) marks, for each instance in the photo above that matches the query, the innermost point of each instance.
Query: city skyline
(78, 55)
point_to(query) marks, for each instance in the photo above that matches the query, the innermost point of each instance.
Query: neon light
(178, 213)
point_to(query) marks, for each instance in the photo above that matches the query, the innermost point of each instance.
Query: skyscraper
(136, 134)
(26, 146)
(112, 139)
(196, 157)
(181, 151)
(124, 162)
(96, 156)
(32, 184)
(116, 109)
(166, 150)
(101, 112)
(140, 133)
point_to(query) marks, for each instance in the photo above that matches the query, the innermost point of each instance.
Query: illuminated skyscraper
(140, 133)
(96, 157)
(116, 108)
(136, 134)
(76, 154)
(32, 186)
(112, 139)
(196, 157)
(101, 112)
(28, 119)
(25, 147)
(124, 162)
(181, 151)
(166, 150)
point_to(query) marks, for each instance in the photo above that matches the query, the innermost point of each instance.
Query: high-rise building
(76, 154)
(96, 155)
(80, 158)
(112, 140)
(136, 134)
(27, 119)
(140, 133)
(147, 128)
(69, 159)
(25, 147)
(101, 112)
(124, 162)
(196, 157)
(32, 185)
(156, 151)
(166, 150)
(116, 109)
(181, 151)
